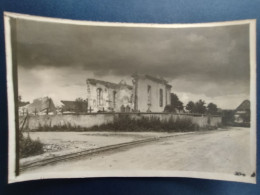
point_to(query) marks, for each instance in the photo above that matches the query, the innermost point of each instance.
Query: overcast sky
(210, 63)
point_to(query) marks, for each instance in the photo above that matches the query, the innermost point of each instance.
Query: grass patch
(29, 147)
(64, 127)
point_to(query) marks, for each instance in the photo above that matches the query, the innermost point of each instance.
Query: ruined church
(147, 94)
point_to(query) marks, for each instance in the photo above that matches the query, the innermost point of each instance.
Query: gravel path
(223, 151)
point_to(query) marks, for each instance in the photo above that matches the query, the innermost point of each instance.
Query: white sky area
(210, 63)
(59, 84)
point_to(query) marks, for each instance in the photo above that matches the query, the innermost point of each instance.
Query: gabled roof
(245, 105)
(108, 84)
(153, 78)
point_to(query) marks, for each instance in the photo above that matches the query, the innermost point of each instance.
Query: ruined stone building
(151, 94)
(39, 106)
(108, 97)
(148, 94)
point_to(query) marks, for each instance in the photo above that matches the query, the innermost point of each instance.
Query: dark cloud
(219, 55)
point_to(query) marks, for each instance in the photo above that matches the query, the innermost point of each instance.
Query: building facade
(105, 96)
(148, 94)
(151, 94)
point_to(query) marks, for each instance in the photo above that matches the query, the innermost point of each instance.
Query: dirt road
(223, 151)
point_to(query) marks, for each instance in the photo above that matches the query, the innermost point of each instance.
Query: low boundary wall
(90, 120)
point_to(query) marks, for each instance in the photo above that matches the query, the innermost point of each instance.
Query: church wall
(105, 103)
(142, 95)
(108, 104)
(124, 99)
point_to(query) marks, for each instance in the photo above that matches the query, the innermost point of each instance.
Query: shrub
(126, 123)
(29, 147)
(169, 108)
(64, 127)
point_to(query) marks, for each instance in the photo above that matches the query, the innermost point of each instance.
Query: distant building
(242, 113)
(228, 117)
(151, 94)
(105, 96)
(40, 106)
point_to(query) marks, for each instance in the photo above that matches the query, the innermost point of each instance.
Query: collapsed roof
(108, 84)
(41, 105)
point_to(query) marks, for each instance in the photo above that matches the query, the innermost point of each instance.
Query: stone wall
(90, 120)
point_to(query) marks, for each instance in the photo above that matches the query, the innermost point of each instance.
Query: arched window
(99, 97)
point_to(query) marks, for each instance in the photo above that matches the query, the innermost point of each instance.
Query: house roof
(108, 84)
(245, 105)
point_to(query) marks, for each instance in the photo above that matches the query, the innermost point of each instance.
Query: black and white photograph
(103, 99)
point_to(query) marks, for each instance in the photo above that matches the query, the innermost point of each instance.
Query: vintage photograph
(101, 99)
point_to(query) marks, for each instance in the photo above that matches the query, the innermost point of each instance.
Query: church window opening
(114, 99)
(99, 97)
(149, 93)
(161, 98)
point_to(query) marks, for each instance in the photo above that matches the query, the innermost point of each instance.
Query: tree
(179, 106)
(200, 107)
(80, 105)
(19, 99)
(176, 104)
(20, 102)
(174, 99)
(190, 106)
(212, 108)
